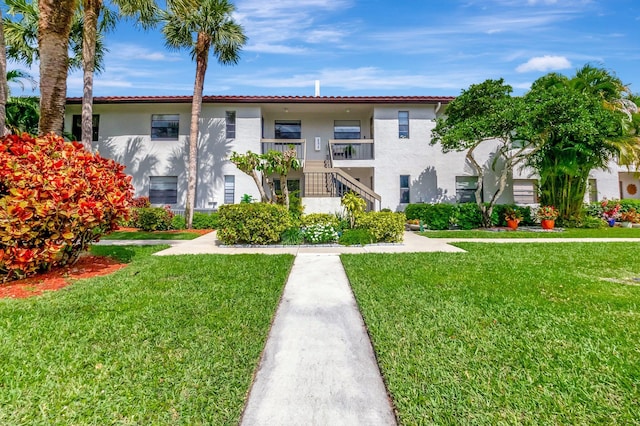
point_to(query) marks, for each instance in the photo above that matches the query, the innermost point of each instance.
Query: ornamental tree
(55, 199)
(487, 113)
(586, 122)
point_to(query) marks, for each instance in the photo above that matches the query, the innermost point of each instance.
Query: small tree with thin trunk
(281, 163)
(249, 163)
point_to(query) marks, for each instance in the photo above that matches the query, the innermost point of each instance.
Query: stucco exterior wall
(124, 135)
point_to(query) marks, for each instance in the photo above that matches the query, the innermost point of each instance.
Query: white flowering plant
(320, 233)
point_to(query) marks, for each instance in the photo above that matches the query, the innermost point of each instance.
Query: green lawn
(157, 235)
(567, 233)
(166, 340)
(506, 334)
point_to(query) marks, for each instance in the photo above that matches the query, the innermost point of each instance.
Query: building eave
(268, 99)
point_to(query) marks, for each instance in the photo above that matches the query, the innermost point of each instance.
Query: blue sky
(380, 47)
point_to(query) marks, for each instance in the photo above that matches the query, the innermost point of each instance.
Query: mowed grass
(616, 232)
(506, 333)
(156, 235)
(166, 340)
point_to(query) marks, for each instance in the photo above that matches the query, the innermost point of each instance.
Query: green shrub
(206, 220)
(292, 236)
(499, 210)
(178, 222)
(438, 216)
(320, 233)
(593, 210)
(154, 218)
(313, 218)
(354, 237)
(468, 216)
(383, 226)
(296, 209)
(593, 222)
(255, 223)
(433, 216)
(388, 210)
(627, 204)
(416, 211)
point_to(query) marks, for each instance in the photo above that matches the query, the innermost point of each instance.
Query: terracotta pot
(547, 223)
(513, 223)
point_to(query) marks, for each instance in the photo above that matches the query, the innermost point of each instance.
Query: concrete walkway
(318, 367)
(209, 244)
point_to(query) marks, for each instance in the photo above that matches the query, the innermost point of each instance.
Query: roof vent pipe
(438, 107)
(317, 88)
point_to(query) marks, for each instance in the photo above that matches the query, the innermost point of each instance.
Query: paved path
(208, 244)
(318, 367)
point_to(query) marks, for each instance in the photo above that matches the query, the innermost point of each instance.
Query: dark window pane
(165, 126)
(76, 127)
(231, 124)
(288, 129)
(163, 189)
(346, 129)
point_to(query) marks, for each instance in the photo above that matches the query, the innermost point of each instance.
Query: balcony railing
(353, 149)
(282, 145)
(336, 183)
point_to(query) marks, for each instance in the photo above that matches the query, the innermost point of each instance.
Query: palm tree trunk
(54, 26)
(4, 92)
(89, 34)
(202, 55)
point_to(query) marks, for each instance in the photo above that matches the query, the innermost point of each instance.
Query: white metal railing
(281, 145)
(351, 149)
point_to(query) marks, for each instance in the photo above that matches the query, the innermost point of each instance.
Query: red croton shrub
(55, 199)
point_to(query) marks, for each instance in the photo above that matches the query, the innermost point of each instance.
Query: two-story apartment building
(377, 146)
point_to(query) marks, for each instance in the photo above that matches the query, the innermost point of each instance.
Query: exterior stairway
(322, 180)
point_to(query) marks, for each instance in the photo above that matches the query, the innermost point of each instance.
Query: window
(525, 191)
(404, 189)
(76, 127)
(165, 126)
(292, 185)
(593, 191)
(403, 124)
(163, 189)
(346, 129)
(466, 189)
(230, 119)
(229, 189)
(288, 129)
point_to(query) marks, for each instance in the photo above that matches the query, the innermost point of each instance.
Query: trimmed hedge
(466, 215)
(254, 223)
(384, 226)
(153, 218)
(315, 218)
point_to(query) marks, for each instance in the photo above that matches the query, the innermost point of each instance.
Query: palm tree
(54, 27)
(3, 81)
(22, 35)
(211, 23)
(22, 113)
(144, 10)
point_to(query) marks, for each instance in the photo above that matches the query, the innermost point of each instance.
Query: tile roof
(268, 99)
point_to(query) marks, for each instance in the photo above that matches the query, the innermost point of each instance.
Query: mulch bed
(87, 266)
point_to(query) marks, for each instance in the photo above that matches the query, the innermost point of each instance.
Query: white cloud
(276, 25)
(134, 51)
(545, 63)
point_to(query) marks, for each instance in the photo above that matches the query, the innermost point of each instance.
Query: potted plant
(547, 216)
(629, 217)
(513, 217)
(610, 211)
(349, 150)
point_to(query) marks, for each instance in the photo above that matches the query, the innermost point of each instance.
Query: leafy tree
(586, 122)
(249, 163)
(200, 25)
(281, 163)
(487, 113)
(273, 162)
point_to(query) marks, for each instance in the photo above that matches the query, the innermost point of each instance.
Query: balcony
(281, 145)
(351, 149)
